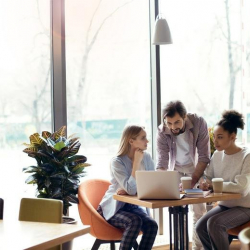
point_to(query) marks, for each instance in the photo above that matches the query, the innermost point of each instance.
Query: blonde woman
(131, 218)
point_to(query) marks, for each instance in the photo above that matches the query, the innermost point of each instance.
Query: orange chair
(90, 194)
(244, 237)
(236, 230)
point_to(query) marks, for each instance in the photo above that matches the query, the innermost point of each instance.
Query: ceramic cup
(186, 182)
(217, 185)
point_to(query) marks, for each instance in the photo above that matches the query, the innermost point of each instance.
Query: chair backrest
(244, 237)
(90, 193)
(1, 208)
(41, 210)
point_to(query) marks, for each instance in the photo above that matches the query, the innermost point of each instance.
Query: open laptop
(158, 185)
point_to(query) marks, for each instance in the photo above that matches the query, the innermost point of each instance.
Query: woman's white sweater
(235, 170)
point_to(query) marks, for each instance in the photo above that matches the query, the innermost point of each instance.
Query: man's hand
(199, 170)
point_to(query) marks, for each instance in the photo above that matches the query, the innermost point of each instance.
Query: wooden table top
(174, 203)
(16, 235)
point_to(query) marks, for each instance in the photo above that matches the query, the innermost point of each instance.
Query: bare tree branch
(84, 64)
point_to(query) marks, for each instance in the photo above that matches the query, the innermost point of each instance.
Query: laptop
(158, 185)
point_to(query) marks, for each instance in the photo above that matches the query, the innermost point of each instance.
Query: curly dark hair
(231, 120)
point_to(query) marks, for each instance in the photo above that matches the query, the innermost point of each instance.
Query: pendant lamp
(162, 33)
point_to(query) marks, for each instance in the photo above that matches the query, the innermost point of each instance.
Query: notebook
(196, 192)
(158, 185)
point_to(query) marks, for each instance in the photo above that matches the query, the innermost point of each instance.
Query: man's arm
(199, 170)
(162, 151)
(203, 148)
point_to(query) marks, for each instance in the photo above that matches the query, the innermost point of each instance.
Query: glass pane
(203, 66)
(246, 23)
(25, 89)
(108, 74)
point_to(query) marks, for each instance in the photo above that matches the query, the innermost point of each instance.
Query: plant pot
(68, 220)
(69, 244)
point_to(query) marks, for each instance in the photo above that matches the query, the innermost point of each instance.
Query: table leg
(186, 215)
(176, 228)
(181, 223)
(170, 226)
(180, 215)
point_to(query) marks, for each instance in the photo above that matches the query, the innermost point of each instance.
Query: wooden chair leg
(96, 244)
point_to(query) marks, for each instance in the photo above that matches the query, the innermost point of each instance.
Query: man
(183, 145)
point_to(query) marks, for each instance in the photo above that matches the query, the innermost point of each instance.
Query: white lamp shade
(162, 33)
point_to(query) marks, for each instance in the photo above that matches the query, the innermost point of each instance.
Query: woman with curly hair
(232, 163)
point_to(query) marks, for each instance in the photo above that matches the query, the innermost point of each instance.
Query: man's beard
(180, 131)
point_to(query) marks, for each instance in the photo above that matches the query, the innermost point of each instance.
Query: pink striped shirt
(196, 128)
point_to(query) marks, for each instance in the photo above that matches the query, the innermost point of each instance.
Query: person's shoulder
(160, 128)
(197, 122)
(195, 117)
(246, 152)
(217, 156)
(117, 159)
(217, 153)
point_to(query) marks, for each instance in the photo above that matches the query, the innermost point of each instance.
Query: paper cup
(217, 185)
(186, 182)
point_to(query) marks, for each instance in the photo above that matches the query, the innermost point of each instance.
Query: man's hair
(174, 107)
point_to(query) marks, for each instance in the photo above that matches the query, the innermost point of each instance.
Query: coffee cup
(217, 185)
(186, 182)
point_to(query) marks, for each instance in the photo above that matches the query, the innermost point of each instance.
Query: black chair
(1, 208)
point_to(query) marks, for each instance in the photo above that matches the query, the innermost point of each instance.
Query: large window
(108, 74)
(25, 105)
(205, 65)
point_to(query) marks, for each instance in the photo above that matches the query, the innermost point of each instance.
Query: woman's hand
(121, 191)
(205, 184)
(138, 156)
(180, 187)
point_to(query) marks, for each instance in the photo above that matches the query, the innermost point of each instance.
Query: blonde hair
(130, 132)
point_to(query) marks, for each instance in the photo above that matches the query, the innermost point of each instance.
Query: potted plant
(211, 139)
(58, 170)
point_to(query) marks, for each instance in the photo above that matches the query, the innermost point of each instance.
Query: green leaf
(72, 198)
(31, 179)
(73, 180)
(46, 134)
(57, 193)
(31, 169)
(78, 170)
(36, 140)
(30, 150)
(59, 145)
(74, 148)
(50, 143)
(76, 159)
(42, 195)
(57, 163)
(66, 169)
(60, 132)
